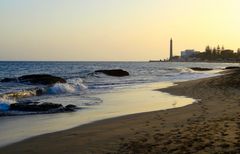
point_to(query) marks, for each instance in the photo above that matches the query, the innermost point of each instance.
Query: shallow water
(136, 99)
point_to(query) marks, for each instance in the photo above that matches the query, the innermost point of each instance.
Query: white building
(188, 53)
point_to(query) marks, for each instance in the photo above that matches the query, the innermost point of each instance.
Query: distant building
(188, 53)
(227, 52)
(176, 59)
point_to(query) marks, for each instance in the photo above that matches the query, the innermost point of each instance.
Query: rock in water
(70, 107)
(34, 107)
(201, 69)
(44, 79)
(9, 80)
(115, 72)
(232, 67)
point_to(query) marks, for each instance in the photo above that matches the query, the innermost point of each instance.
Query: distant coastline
(211, 54)
(167, 61)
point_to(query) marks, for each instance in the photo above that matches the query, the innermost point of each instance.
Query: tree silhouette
(208, 49)
(218, 48)
(223, 48)
(238, 50)
(218, 54)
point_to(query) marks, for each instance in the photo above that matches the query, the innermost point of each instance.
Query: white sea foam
(60, 88)
(72, 86)
(7, 101)
(185, 70)
(77, 83)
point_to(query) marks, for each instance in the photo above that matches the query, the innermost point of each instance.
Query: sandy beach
(211, 125)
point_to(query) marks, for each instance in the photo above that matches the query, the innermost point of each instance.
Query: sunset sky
(114, 30)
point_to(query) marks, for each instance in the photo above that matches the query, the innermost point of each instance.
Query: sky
(114, 30)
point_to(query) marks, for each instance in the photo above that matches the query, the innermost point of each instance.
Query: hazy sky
(114, 29)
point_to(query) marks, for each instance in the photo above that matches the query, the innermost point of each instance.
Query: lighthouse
(171, 49)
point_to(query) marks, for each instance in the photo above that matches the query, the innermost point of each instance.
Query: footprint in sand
(143, 139)
(225, 145)
(122, 138)
(136, 133)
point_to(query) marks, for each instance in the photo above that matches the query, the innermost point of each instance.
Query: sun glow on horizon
(114, 30)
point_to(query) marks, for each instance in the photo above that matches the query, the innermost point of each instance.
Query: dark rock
(70, 107)
(28, 107)
(9, 80)
(115, 72)
(39, 92)
(41, 79)
(232, 67)
(34, 107)
(201, 69)
(28, 102)
(44, 79)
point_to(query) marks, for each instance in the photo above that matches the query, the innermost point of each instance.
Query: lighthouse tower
(171, 49)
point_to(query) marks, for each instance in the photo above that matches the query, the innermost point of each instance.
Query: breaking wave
(60, 88)
(72, 86)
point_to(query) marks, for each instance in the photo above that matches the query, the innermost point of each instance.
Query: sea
(98, 96)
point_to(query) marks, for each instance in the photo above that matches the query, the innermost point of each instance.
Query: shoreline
(116, 103)
(211, 125)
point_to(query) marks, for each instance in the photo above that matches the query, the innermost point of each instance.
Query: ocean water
(99, 96)
(79, 79)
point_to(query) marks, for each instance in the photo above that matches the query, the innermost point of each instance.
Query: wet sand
(211, 125)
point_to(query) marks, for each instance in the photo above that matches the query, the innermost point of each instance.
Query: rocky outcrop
(29, 108)
(9, 80)
(35, 107)
(70, 107)
(43, 79)
(114, 72)
(201, 69)
(41, 107)
(232, 67)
